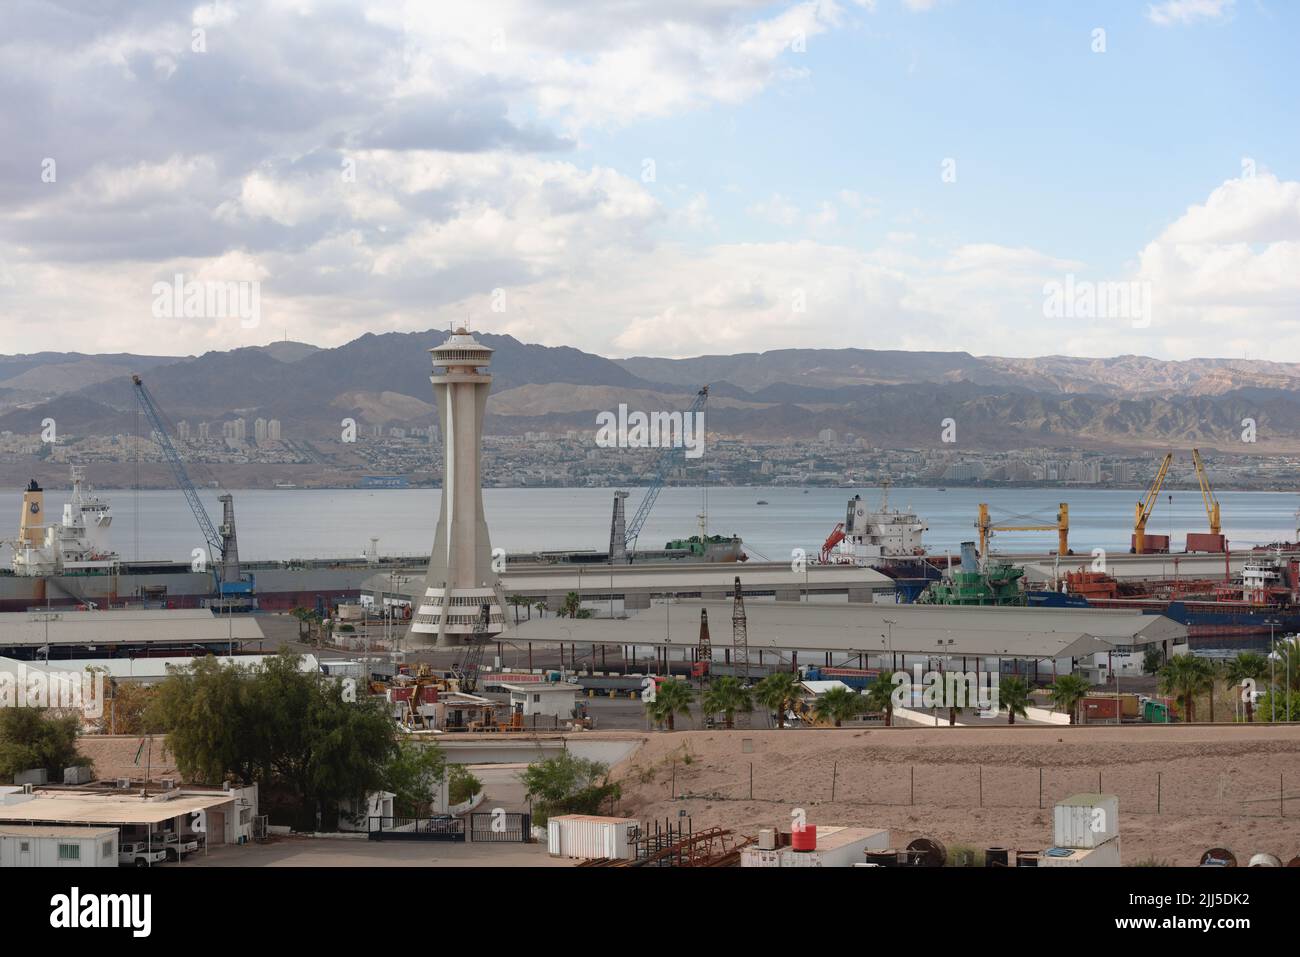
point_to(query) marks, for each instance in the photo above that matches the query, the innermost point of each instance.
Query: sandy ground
(333, 852)
(1182, 789)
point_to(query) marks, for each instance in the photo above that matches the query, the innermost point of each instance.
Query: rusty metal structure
(739, 635)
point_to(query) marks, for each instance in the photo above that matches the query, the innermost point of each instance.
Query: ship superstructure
(77, 544)
(875, 537)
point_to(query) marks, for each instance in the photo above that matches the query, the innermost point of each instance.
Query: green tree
(38, 738)
(1184, 677)
(566, 784)
(127, 710)
(727, 696)
(837, 705)
(1013, 694)
(294, 733)
(880, 696)
(462, 784)
(778, 692)
(515, 601)
(671, 698)
(1067, 692)
(572, 604)
(1247, 666)
(413, 773)
(1152, 659)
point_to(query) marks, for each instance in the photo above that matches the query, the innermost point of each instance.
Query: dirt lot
(1181, 789)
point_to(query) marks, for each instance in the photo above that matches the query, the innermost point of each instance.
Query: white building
(23, 845)
(549, 698)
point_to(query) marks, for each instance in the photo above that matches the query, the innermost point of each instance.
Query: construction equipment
(667, 456)
(1142, 543)
(235, 592)
(468, 671)
(739, 635)
(1214, 541)
(1061, 526)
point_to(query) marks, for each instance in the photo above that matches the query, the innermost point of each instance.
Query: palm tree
(1068, 691)
(778, 692)
(671, 698)
(541, 609)
(1184, 677)
(838, 704)
(880, 696)
(1013, 694)
(728, 696)
(302, 615)
(572, 604)
(516, 601)
(1247, 666)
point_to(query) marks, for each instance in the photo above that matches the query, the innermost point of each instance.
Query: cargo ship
(69, 563)
(886, 539)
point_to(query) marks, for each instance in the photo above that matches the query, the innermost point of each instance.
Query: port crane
(1215, 541)
(623, 540)
(234, 591)
(1143, 511)
(1061, 526)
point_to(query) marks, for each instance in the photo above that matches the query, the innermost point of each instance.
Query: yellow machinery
(1142, 512)
(1062, 528)
(1207, 493)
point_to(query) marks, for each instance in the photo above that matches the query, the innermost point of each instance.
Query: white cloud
(1188, 11)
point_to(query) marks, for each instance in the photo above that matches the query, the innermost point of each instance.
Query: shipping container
(586, 836)
(1085, 820)
(1103, 855)
(836, 847)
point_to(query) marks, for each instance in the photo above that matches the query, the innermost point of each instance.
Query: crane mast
(223, 550)
(1143, 509)
(1207, 493)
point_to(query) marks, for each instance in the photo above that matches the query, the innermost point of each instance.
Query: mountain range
(890, 398)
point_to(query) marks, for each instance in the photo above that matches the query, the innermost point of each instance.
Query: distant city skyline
(668, 180)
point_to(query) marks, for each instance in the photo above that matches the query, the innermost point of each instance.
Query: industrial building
(870, 632)
(119, 633)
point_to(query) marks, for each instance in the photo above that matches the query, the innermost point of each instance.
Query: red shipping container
(1204, 542)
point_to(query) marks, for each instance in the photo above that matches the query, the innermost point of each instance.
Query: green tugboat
(999, 584)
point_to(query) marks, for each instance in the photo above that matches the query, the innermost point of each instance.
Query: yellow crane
(1144, 507)
(1061, 527)
(1207, 493)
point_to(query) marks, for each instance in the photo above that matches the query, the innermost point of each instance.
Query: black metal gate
(505, 827)
(417, 829)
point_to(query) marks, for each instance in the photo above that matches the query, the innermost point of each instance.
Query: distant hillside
(890, 398)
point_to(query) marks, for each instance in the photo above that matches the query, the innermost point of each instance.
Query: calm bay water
(304, 523)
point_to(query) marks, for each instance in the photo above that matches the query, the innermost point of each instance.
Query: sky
(654, 177)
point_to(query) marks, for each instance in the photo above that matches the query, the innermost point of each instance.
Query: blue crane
(667, 457)
(234, 589)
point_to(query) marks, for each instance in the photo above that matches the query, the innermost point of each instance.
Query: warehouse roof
(82, 808)
(124, 626)
(45, 830)
(670, 577)
(860, 628)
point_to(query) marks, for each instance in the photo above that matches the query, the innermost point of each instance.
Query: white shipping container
(587, 836)
(1085, 820)
(1103, 855)
(759, 857)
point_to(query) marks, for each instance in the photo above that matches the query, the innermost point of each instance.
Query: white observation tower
(460, 580)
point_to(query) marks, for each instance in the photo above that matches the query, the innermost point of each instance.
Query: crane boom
(666, 457)
(178, 467)
(1207, 493)
(987, 527)
(1143, 508)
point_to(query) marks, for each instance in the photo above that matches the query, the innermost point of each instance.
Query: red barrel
(804, 838)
